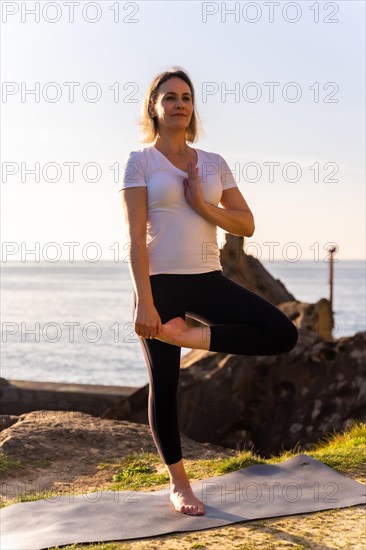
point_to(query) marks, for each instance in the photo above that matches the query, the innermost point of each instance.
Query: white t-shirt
(179, 240)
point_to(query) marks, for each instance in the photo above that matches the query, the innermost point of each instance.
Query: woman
(170, 193)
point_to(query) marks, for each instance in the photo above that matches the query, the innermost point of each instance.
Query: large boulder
(274, 402)
(61, 435)
(71, 452)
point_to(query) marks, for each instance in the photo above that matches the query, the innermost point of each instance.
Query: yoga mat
(300, 484)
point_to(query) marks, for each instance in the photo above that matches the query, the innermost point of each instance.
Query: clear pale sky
(316, 138)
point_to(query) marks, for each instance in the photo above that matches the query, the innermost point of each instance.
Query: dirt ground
(71, 465)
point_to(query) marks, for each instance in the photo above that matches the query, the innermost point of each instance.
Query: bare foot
(185, 501)
(178, 333)
(172, 330)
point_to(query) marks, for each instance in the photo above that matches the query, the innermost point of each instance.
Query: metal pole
(331, 250)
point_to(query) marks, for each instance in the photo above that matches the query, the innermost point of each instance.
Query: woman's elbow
(249, 227)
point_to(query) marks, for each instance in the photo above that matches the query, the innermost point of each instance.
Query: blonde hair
(148, 125)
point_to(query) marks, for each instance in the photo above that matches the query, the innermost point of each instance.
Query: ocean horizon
(72, 322)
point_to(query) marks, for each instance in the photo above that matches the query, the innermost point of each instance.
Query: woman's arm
(236, 216)
(134, 204)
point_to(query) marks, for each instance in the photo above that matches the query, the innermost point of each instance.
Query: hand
(192, 189)
(147, 322)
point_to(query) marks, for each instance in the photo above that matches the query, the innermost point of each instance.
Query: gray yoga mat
(300, 484)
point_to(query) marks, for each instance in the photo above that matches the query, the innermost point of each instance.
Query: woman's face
(174, 97)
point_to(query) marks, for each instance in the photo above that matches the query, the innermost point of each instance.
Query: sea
(72, 322)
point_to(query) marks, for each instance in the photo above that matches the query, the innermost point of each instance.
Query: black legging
(241, 323)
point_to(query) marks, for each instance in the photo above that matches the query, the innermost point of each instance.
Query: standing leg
(163, 365)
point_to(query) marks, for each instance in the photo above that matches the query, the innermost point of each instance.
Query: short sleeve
(132, 172)
(227, 178)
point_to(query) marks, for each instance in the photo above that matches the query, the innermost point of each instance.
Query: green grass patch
(8, 463)
(345, 451)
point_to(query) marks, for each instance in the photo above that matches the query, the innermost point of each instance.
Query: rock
(7, 420)
(133, 408)
(271, 402)
(314, 321)
(274, 402)
(73, 453)
(76, 437)
(246, 270)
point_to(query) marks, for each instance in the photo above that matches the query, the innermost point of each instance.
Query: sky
(299, 107)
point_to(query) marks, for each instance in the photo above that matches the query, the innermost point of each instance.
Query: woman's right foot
(172, 329)
(178, 333)
(185, 501)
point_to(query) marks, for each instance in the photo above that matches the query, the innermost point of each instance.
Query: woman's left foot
(186, 502)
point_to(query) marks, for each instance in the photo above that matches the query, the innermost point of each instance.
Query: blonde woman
(170, 195)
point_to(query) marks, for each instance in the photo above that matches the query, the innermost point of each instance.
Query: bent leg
(241, 322)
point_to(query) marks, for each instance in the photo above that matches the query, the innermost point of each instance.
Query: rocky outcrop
(274, 402)
(70, 452)
(314, 321)
(61, 435)
(269, 402)
(249, 272)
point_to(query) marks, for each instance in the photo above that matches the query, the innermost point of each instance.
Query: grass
(8, 463)
(345, 452)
